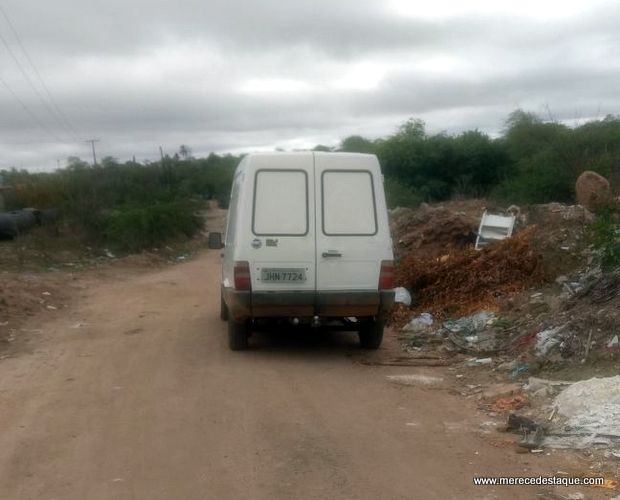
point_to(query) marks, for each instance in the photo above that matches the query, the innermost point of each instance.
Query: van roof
(305, 153)
(252, 160)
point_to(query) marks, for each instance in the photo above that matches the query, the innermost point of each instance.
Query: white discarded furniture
(494, 228)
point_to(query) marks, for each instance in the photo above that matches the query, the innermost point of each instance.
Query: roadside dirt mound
(560, 236)
(433, 231)
(466, 281)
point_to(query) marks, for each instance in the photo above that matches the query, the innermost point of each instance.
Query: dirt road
(132, 393)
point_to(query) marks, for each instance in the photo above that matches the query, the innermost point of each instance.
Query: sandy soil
(130, 392)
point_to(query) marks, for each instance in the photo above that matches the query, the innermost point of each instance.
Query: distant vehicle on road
(307, 243)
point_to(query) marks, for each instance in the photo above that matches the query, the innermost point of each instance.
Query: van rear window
(280, 203)
(348, 203)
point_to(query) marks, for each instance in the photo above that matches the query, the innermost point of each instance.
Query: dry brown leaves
(469, 280)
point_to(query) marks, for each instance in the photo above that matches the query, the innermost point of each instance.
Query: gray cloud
(232, 75)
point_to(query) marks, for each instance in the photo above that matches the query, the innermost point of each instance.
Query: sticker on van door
(256, 243)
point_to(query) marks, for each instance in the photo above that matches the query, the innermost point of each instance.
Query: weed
(604, 235)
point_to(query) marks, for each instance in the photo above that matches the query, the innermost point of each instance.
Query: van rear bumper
(244, 305)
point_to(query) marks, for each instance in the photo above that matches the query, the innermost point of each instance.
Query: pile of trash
(470, 334)
(470, 280)
(434, 231)
(585, 326)
(551, 301)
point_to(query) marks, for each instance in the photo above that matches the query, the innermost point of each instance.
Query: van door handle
(332, 253)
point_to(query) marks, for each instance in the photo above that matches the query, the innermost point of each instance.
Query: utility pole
(92, 143)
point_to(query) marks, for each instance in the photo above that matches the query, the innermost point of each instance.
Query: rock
(535, 384)
(576, 496)
(398, 211)
(592, 190)
(415, 379)
(543, 393)
(479, 361)
(592, 411)
(587, 396)
(497, 391)
(507, 366)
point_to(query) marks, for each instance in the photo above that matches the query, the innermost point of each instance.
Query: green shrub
(604, 235)
(126, 205)
(400, 195)
(541, 178)
(137, 227)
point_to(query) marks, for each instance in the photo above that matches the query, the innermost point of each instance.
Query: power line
(29, 80)
(28, 111)
(37, 73)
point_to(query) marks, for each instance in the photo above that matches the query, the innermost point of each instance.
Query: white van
(307, 242)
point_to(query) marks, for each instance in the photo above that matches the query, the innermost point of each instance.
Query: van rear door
(352, 230)
(282, 253)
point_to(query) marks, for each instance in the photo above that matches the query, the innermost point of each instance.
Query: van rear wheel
(371, 334)
(237, 335)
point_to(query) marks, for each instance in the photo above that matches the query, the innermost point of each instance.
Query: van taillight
(386, 275)
(242, 275)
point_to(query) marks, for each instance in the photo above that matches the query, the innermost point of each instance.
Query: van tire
(237, 335)
(371, 334)
(223, 309)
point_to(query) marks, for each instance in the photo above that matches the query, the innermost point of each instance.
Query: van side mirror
(215, 241)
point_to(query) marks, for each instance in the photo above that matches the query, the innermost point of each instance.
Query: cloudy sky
(235, 75)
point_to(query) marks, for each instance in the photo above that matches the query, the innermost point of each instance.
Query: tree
(76, 163)
(357, 144)
(109, 161)
(185, 152)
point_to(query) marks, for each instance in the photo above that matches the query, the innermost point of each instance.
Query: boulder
(592, 190)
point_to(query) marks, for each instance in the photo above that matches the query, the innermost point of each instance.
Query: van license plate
(273, 275)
